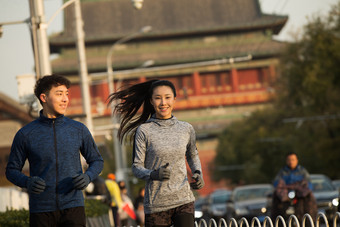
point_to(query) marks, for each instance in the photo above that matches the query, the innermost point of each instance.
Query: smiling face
(163, 101)
(55, 101)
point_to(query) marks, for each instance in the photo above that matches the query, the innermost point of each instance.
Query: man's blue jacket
(292, 176)
(52, 148)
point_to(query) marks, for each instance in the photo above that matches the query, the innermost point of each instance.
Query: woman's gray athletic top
(158, 142)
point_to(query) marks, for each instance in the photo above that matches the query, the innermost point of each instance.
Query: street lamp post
(118, 151)
(80, 44)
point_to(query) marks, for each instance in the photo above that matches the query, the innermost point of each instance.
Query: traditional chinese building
(220, 55)
(12, 117)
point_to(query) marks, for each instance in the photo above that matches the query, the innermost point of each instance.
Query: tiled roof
(172, 52)
(110, 20)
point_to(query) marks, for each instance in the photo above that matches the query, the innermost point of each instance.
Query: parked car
(198, 207)
(326, 195)
(218, 203)
(249, 201)
(336, 184)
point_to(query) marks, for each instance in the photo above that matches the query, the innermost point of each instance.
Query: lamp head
(137, 3)
(145, 29)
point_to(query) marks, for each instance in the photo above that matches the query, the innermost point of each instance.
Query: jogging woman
(162, 144)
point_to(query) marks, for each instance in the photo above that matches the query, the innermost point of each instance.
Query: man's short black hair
(291, 153)
(45, 84)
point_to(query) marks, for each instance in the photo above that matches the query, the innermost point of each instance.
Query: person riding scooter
(293, 191)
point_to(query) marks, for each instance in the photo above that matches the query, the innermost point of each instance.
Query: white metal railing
(293, 221)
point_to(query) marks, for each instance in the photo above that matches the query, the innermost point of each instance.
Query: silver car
(249, 201)
(218, 203)
(326, 195)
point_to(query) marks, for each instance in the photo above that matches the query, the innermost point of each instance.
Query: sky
(16, 55)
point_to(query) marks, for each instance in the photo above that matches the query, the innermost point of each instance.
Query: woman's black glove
(161, 174)
(198, 181)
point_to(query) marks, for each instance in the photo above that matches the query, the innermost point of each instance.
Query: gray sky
(16, 56)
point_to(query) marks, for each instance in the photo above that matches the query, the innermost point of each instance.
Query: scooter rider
(293, 178)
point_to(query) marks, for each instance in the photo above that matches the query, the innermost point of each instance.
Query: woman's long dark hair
(131, 99)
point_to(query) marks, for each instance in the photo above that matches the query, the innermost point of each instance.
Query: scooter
(292, 203)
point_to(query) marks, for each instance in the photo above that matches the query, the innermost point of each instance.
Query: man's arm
(306, 178)
(90, 152)
(277, 178)
(16, 162)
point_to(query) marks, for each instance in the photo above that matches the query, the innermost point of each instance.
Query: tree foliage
(304, 117)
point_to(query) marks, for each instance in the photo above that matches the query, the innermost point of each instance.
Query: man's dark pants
(72, 217)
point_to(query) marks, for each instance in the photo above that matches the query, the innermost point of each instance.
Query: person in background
(127, 213)
(162, 145)
(98, 188)
(116, 200)
(293, 177)
(52, 144)
(139, 208)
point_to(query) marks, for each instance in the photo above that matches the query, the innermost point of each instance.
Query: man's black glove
(161, 174)
(81, 181)
(35, 185)
(198, 181)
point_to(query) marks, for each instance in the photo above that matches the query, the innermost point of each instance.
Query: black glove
(35, 185)
(198, 181)
(161, 174)
(81, 181)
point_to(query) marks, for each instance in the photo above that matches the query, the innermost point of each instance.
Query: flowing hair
(130, 100)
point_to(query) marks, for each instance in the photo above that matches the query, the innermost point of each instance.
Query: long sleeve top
(116, 199)
(292, 176)
(158, 142)
(52, 148)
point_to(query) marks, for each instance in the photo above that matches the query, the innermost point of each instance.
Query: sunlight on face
(163, 101)
(55, 101)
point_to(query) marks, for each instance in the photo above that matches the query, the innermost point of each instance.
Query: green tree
(304, 117)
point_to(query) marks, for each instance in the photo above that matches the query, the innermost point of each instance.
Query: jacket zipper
(56, 163)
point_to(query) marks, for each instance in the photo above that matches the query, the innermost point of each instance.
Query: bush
(20, 218)
(14, 218)
(95, 208)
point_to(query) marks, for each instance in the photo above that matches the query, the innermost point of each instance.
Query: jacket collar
(298, 167)
(163, 122)
(46, 120)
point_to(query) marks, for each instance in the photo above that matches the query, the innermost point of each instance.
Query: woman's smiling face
(163, 101)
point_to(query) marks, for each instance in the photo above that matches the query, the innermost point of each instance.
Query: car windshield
(199, 202)
(321, 184)
(221, 198)
(336, 184)
(251, 193)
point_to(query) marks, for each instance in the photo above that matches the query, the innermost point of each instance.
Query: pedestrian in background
(51, 144)
(139, 207)
(126, 214)
(116, 200)
(162, 144)
(98, 188)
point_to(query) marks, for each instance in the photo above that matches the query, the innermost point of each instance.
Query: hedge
(20, 218)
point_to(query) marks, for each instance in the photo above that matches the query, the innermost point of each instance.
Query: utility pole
(40, 39)
(82, 65)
